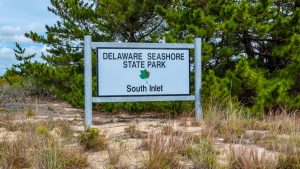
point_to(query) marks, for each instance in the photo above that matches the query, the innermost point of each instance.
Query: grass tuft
(93, 139)
(133, 132)
(163, 150)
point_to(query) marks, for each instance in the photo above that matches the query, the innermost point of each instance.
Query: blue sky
(16, 18)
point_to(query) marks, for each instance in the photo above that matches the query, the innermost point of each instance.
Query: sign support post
(88, 106)
(198, 77)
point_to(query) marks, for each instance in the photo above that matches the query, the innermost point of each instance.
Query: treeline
(251, 48)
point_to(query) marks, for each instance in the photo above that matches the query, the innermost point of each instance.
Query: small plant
(290, 161)
(73, 158)
(93, 139)
(163, 150)
(13, 154)
(231, 128)
(53, 156)
(29, 113)
(250, 159)
(114, 156)
(65, 129)
(195, 123)
(134, 132)
(203, 155)
(167, 129)
(7, 121)
(42, 129)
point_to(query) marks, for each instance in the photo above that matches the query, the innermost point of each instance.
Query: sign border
(97, 71)
(88, 73)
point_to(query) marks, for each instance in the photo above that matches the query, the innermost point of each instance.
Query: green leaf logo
(145, 74)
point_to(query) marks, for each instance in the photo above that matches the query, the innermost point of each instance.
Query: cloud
(12, 34)
(10, 30)
(16, 18)
(6, 53)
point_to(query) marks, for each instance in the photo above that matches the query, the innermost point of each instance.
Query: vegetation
(163, 151)
(250, 48)
(251, 85)
(203, 154)
(93, 139)
(225, 138)
(39, 149)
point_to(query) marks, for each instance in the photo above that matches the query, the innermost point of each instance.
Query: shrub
(93, 139)
(254, 88)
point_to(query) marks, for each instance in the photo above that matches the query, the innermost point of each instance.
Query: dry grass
(163, 150)
(290, 161)
(133, 131)
(45, 144)
(248, 158)
(115, 154)
(7, 121)
(36, 148)
(203, 154)
(167, 129)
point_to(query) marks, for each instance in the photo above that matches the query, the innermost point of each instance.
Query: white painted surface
(172, 77)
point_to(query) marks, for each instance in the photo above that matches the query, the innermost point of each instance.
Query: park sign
(141, 72)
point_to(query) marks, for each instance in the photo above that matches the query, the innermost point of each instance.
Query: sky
(16, 18)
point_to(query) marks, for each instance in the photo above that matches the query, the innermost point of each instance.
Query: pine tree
(262, 34)
(104, 20)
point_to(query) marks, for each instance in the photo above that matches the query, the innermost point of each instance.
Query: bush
(93, 139)
(253, 87)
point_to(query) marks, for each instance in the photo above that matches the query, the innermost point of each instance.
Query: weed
(29, 113)
(203, 155)
(114, 155)
(93, 139)
(32, 149)
(7, 121)
(291, 161)
(167, 129)
(134, 132)
(42, 129)
(163, 150)
(250, 159)
(195, 123)
(65, 129)
(55, 157)
(13, 154)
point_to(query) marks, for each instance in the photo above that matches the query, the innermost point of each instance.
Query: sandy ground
(114, 125)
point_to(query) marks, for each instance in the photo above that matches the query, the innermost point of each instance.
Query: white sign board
(143, 72)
